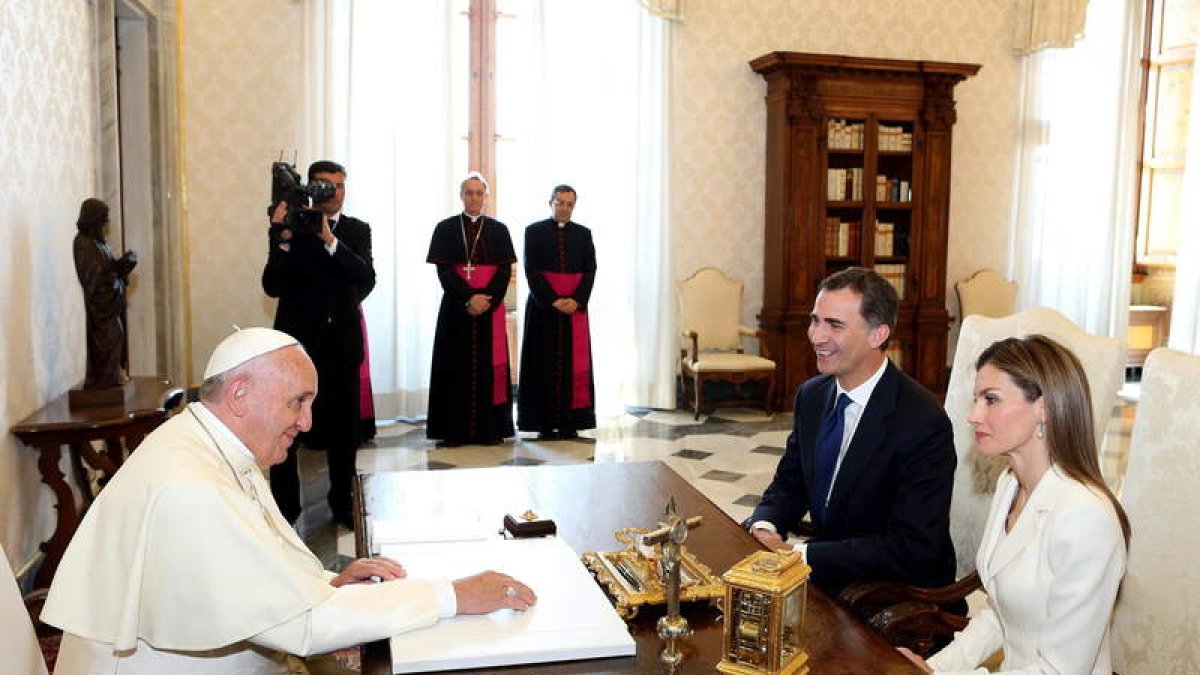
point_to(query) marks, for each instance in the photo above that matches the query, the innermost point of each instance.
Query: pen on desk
(629, 576)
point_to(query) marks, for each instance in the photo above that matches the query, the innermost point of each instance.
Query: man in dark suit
(320, 278)
(871, 454)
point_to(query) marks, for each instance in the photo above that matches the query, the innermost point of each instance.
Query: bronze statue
(103, 278)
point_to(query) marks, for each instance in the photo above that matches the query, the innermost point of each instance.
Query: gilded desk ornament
(634, 576)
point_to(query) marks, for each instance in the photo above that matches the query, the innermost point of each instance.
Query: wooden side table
(120, 428)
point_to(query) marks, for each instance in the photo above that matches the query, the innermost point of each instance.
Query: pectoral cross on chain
(469, 268)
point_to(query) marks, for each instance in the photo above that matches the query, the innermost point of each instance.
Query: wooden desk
(588, 503)
(121, 428)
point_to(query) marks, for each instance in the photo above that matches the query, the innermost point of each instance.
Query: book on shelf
(844, 185)
(844, 134)
(892, 189)
(894, 138)
(893, 273)
(885, 239)
(841, 237)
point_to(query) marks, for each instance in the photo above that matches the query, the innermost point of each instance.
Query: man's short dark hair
(562, 188)
(325, 166)
(880, 303)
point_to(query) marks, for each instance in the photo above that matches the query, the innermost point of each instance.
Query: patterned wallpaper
(718, 119)
(242, 83)
(46, 118)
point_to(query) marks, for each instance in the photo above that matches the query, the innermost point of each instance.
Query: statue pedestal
(94, 398)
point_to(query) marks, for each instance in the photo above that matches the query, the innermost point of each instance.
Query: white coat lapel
(993, 530)
(1029, 525)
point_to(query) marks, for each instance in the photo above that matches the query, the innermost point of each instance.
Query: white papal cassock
(184, 564)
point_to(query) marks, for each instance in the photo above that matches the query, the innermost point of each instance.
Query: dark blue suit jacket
(888, 517)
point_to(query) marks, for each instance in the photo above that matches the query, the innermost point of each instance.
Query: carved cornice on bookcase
(803, 105)
(939, 113)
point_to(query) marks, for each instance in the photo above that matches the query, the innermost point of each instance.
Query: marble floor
(730, 456)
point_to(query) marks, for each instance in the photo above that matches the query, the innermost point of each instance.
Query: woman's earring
(1040, 429)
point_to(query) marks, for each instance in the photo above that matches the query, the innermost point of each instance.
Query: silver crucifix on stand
(672, 627)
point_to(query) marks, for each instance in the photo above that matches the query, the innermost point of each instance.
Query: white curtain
(1185, 307)
(581, 91)
(1072, 240)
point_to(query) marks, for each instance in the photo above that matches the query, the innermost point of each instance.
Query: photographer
(319, 266)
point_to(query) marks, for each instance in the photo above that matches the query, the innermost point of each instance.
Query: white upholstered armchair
(710, 313)
(1158, 610)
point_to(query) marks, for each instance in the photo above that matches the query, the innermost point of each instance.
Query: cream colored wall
(718, 120)
(47, 126)
(241, 105)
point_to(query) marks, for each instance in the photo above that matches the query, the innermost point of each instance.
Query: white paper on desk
(572, 619)
(466, 526)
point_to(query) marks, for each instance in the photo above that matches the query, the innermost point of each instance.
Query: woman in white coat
(1053, 550)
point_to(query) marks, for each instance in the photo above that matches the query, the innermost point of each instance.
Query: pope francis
(185, 565)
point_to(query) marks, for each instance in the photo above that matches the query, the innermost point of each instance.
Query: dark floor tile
(434, 465)
(769, 450)
(723, 476)
(748, 500)
(692, 454)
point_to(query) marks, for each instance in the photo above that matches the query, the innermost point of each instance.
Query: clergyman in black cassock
(320, 280)
(470, 389)
(556, 389)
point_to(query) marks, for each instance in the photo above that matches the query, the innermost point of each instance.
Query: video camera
(286, 186)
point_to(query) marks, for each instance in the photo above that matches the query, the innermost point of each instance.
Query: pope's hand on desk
(770, 539)
(488, 591)
(369, 570)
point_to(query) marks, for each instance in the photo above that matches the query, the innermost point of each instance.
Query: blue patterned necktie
(829, 444)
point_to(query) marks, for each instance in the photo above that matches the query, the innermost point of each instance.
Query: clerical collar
(561, 225)
(473, 219)
(225, 435)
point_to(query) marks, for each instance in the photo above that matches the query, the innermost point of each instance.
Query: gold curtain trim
(671, 10)
(1044, 24)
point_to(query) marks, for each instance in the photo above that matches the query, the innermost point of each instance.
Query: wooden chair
(1158, 608)
(919, 623)
(710, 310)
(986, 293)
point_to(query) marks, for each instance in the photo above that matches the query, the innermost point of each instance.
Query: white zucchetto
(244, 345)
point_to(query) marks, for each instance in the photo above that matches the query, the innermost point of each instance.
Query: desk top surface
(589, 502)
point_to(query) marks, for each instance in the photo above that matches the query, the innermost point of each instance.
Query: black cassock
(470, 389)
(557, 387)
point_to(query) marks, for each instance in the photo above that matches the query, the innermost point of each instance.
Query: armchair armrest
(922, 627)
(694, 338)
(747, 331)
(909, 616)
(868, 597)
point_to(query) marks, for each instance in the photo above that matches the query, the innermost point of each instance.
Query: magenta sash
(366, 402)
(481, 275)
(564, 284)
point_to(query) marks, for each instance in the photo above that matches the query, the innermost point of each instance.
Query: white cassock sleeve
(358, 613)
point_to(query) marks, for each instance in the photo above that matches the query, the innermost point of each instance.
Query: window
(1169, 62)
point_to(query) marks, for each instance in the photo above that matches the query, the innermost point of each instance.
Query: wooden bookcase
(853, 143)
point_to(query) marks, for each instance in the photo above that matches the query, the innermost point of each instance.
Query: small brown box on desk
(528, 524)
